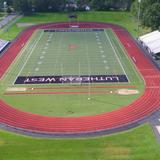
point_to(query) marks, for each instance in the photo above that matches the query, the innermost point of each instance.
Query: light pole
(5, 7)
(139, 11)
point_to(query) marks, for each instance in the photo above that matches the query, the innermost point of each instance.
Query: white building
(152, 42)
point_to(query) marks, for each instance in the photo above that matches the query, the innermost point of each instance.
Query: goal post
(73, 20)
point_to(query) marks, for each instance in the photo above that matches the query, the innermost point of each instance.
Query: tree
(22, 5)
(151, 16)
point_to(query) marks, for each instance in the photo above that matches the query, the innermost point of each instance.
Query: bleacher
(151, 42)
(3, 44)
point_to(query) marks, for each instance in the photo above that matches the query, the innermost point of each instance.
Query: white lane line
(29, 55)
(117, 56)
(105, 61)
(102, 51)
(103, 56)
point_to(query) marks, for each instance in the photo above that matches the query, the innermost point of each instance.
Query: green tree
(22, 5)
(151, 16)
(149, 12)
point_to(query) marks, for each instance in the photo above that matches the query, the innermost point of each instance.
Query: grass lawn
(137, 144)
(124, 19)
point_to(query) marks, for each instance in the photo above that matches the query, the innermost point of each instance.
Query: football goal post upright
(73, 20)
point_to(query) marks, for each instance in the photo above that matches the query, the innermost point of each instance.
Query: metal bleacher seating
(3, 44)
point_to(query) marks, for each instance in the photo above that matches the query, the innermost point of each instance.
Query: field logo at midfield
(72, 47)
(71, 79)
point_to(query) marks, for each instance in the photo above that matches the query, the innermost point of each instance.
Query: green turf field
(72, 53)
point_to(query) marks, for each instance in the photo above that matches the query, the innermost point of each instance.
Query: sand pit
(127, 91)
(25, 24)
(16, 89)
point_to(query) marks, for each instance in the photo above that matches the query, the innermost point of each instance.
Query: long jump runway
(121, 119)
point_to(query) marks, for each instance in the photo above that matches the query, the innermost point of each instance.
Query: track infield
(87, 124)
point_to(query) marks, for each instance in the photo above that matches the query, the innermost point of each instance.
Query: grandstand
(3, 44)
(151, 42)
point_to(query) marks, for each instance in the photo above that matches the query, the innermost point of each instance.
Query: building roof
(151, 41)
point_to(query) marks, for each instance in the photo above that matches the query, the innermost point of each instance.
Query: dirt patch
(2, 142)
(25, 24)
(127, 91)
(116, 150)
(16, 89)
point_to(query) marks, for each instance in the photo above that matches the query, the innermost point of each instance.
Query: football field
(72, 53)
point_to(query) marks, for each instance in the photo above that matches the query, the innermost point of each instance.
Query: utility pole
(139, 12)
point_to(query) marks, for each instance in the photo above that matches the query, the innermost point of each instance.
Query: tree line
(62, 5)
(149, 10)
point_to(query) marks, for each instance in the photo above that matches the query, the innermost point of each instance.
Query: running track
(143, 107)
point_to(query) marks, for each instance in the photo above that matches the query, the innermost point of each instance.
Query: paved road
(6, 20)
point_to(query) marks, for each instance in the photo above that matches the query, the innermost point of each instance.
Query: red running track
(141, 108)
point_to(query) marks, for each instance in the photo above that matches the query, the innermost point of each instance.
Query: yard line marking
(107, 67)
(89, 65)
(29, 55)
(117, 56)
(41, 57)
(40, 62)
(37, 69)
(58, 51)
(105, 61)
